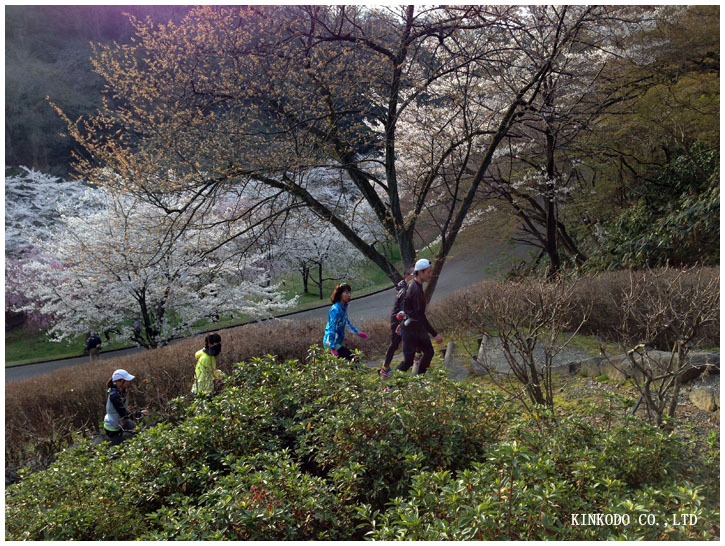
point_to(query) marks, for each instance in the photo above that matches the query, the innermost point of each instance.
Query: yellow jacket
(205, 372)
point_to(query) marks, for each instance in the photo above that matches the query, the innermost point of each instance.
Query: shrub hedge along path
(314, 449)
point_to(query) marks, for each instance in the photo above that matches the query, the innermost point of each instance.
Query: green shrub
(263, 497)
(317, 451)
(424, 422)
(529, 487)
(676, 221)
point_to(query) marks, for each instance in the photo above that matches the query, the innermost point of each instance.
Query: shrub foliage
(317, 450)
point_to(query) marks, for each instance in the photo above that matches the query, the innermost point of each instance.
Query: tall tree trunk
(148, 327)
(438, 264)
(305, 277)
(551, 221)
(319, 276)
(570, 246)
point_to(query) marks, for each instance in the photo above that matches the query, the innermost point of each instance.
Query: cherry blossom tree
(129, 261)
(263, 93)
(31, 198)
(541, 163)
(320, 253)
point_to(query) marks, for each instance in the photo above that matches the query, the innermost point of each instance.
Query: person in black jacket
(93, 346)
(400, 290)
(415, 334)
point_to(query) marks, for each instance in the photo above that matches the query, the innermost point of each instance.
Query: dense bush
(318, 451)
(528, 487)
(178, 481)
(676, 220)
(418, 425)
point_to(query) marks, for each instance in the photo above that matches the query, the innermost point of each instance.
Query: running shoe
(384, 373)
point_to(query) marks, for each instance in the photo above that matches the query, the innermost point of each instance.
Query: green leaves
(676, 221)
(293, 451)
(525, 490)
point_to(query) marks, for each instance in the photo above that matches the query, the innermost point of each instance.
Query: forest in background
(47, 54)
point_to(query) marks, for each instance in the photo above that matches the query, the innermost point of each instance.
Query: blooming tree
(30, 207)
(31, 199)
(542, 162)
(129, 261)
(533, 166)
(265, 92)
(319, 252)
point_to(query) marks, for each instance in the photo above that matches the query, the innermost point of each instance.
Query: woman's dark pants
(345, 353)
(395, 340)
(114, 436)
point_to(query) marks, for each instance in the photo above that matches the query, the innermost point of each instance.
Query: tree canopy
(268, 93)
(112, 260)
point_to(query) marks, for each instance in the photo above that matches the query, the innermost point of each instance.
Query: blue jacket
(335, 329)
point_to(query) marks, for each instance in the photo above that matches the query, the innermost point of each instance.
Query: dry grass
(602, 295)
(45, 412)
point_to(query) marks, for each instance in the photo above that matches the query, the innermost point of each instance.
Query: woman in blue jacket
(337, 321)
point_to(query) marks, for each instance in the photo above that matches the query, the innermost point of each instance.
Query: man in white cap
(415, 334)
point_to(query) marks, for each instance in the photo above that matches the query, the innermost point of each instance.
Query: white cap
(422, 264)
(122, 374)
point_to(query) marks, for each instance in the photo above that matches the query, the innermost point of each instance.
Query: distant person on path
(206, 370)
(93, 346)
(118, 419)
(395, 323)
(137, 329)
(337, 321)
(415, 334)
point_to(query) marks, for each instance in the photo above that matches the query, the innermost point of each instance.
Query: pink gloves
(363, 335)
(334, 352)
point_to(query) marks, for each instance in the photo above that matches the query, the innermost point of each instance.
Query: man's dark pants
(416, 339)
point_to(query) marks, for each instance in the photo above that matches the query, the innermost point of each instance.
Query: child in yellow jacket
(206, 370)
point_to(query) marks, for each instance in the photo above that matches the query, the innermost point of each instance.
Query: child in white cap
(118, 418)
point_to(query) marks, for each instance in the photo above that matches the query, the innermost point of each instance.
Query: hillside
(292, 451)
(47, 54)
(250, 144)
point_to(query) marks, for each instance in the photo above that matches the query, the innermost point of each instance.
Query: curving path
(465, 266)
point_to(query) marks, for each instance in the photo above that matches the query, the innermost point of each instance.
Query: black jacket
(93, 342)
(400, 290)
(414, 306)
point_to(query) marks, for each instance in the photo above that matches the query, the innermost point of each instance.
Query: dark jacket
(414, 307)
(400, 290)
(116, 410)
(93, 342)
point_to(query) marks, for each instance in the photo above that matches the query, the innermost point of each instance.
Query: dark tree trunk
(319, 277)
(551, 221)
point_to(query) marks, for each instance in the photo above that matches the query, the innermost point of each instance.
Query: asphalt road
(463, 268)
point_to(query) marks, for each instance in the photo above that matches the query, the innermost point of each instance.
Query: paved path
(463, 268)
